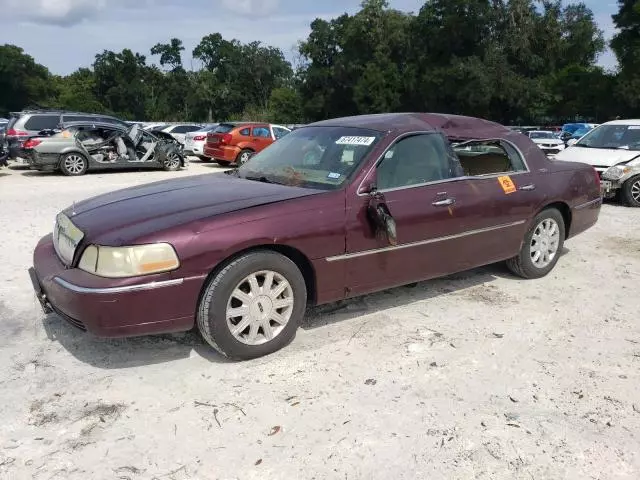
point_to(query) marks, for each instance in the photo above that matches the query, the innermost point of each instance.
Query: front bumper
(113, 307)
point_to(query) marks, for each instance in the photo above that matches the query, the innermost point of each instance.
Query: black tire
(203, 158)
(212, 310)
(73, 164)
(243, 156)
(631, 192)
(223, 163)
(522, 264)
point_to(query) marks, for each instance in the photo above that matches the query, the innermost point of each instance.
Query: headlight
(121, 262)
(617, 172)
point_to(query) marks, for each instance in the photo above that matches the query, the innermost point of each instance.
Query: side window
(262, 132)
(489, 157)
(42, 122)
(180, 129)
(245, 132)
(415, 160)
(279, 132)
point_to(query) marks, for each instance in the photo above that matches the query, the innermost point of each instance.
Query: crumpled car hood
(596, 156)
(122, 216)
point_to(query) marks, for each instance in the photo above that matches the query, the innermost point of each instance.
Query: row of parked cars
(76, 142)
(553, 140)
(613, 149)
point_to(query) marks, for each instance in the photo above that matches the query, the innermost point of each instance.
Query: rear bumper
(113, 307)
(44, 162)
(225, 153)
(194, 149)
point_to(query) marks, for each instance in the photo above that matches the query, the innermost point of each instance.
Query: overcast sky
(66, 34)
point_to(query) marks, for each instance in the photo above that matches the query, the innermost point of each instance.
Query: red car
(234, 143)
(335, 209)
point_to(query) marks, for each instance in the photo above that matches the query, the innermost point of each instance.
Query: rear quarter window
(42, 122)
(245, 132)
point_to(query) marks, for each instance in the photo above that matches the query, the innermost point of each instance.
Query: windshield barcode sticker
(633, 127)
(365, 141)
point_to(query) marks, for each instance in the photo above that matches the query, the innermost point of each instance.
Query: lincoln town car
(333, 210)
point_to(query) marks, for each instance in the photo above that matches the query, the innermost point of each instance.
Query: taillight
(199, 138)
(31, 143)
(16, 133)
(226, 138)
(595, 172)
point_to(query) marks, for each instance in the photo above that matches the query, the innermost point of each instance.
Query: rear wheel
(631, 191)
(253, 306)
(171, 162)
(244, 156)
(541, 246)
(223, 163)
(73, 164)
(203, 158)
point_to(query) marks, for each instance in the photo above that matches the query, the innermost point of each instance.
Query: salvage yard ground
(476, 376)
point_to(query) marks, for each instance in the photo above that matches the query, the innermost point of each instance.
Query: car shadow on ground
(128, 352)
(149, 350)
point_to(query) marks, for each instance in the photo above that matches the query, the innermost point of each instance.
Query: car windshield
(612, 136)
(312, 157)
(536, 135)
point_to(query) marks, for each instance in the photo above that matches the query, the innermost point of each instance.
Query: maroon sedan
(335, 209)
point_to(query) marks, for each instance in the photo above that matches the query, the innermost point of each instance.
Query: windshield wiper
(262, 179)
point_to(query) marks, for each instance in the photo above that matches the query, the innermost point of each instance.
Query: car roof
(95, 124)
(454, 126)
(623, 122)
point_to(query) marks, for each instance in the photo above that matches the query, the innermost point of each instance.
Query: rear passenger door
(261, 137)
(500, 172)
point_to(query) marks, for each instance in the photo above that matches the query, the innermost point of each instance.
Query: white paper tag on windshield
(634, 127)
(366, 141)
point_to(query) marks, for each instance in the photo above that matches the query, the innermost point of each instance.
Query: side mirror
(381, 217)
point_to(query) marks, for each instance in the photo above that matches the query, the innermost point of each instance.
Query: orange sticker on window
(507, 184)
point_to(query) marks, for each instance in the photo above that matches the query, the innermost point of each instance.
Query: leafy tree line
(513, 61)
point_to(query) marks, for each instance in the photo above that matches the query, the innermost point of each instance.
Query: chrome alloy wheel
(635, 190)
(74, 164)
(244, 157)
(172, 160)
(544, 243)
(259, 307)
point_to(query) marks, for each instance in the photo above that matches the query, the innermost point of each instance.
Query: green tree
(23, 82)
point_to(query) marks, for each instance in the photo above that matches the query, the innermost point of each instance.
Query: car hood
(123, 216)
(598, 157)
(549, 141)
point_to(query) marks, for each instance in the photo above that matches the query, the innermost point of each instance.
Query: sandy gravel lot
(476, 376)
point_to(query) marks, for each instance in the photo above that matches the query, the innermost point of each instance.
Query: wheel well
(564, 209)
(293, 254)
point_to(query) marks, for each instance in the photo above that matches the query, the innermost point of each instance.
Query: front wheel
(73, 164)
(631, 191)
(252, 307)
(541, 246)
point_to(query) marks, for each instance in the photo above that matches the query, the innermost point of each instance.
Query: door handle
(528, 187)
(444, 203)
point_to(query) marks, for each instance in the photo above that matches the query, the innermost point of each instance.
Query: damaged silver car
(79, 147)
